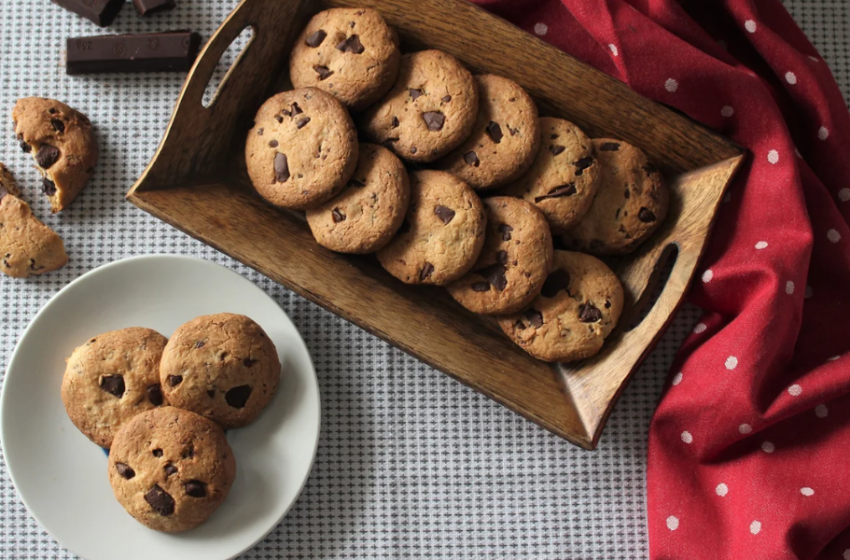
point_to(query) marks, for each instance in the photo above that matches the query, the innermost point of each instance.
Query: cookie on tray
(350, 53)
(171, 468)
(302, 149)
(369, 211)
(578, 307)
(110, 379)
(631, 204)
(62, 143)
(27, 246)
(505, 137)
(442, 234)
(221, 366)
(429, 111)
(564, 178)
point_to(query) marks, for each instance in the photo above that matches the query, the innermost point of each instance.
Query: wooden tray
(197, 183)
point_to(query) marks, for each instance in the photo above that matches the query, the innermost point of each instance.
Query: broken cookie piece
(63, 144)
(7, 183)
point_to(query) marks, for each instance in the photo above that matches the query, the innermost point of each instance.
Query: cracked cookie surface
(514, 262)
(302, 149)
(221, 366)
(171, 468)
(578, 307)
(27, 246)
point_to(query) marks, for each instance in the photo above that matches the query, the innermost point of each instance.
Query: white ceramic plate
(61, 476)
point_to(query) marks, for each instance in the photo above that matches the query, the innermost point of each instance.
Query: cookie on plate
(221, 366)
(442, 234)
(564, 178)
(27, 246)
(578, 307)
(302, 149)
(504, 139)
(368, 212)
(350, 53)
(112, 378)
(171, 468)
(514, 263)
(631, 204)
(63, 144)
(429, 111)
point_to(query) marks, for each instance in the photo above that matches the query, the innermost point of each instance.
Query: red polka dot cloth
(749, 450)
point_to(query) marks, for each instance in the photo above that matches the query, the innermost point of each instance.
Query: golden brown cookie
(112, 378)
(222, 366)
(631, 204)
(302, 149)
(442, 234)
(171, 468)
(27, 246)
(368, 212)
(429, 111)
(564, 177)
(63, 144)
(504, 139)
(578, 307)
(350, 53)
(513, 265)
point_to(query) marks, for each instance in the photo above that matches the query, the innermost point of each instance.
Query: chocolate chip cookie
(222, 366)
(7, 183)
(505, 137)
(63, 144)
(429, 111)
(631, 204)
(578, 307)
(564, 178)
(350, 53)
(513, 265)
(171, 468)
(302, 149)
(27, 246)
(367, 213)
(110, 379)
(442, 234)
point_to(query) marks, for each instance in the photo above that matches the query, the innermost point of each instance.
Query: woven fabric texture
(410, 464)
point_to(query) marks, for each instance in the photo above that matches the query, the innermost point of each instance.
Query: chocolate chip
(627, 194)
(48, 187)
(426, 271)
(472, 159)
(155, 394)
(583, 164)
(553, 136)
(351, 24)
(646, 215)
(52, 110)
(188, 451)
(495, 276)
(502, 257)
(555, 282)
(238, 396)
(447, 98)
(513, 131)
(273, 144)
(160, 500)
(113, 384)
(157, 452)
(434, 119)
(495, 132)
(562, 191)
(248, 362)
(589, 313)
(316, 38)
(609, 147)
(481, 287)
(125, 470)
(413, 150)
(351, 45)
(337, 215)
(211, 393)
(444, 213)
(294, 109)
(175, 380)
(199, 344)
(302, 123)
(46, 156)
(607, 304)
(534, 317)
(355, 183)
(323, 72)
(505, 230)
(281, 168)
(58, 125)
(279, 119)
(395, 122)
(555, 149)
(169, 469)
(26, 147)
(415, 93)
(260, 132)
(196, 488)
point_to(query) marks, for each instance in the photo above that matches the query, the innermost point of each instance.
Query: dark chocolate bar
(145, 52)
(146, 7)
(101, 12)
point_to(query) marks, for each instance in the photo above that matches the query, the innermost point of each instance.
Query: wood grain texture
(197, 183)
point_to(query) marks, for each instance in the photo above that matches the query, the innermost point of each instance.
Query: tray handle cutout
(226, 64)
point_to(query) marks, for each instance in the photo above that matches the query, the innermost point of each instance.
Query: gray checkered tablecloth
(410, 463)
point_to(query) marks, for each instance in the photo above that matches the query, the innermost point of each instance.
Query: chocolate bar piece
(145, 7)
(144, 52)
(102, 12)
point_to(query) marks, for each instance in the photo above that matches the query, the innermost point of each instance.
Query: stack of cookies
(161, 406)
(489, 188)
